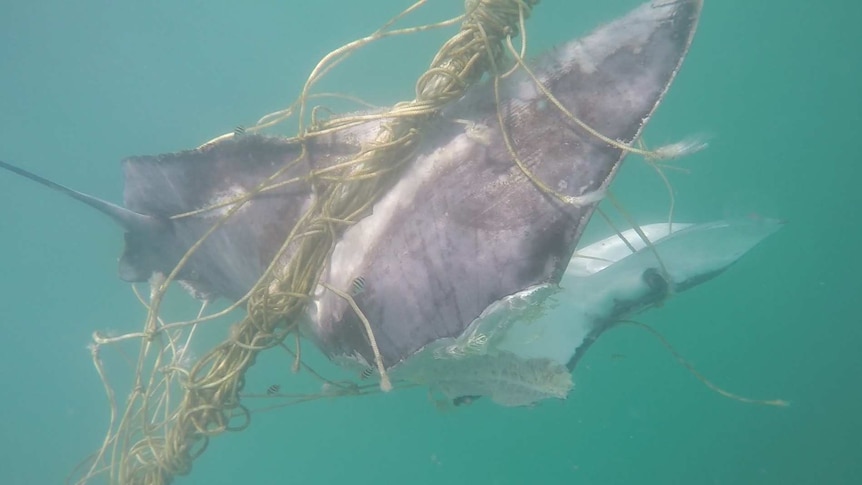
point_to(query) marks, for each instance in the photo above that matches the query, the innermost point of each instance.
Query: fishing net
(177, 402)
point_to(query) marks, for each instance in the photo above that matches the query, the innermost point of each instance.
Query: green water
(776, 84)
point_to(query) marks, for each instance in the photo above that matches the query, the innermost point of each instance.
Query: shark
(456, 263)
(524, 348)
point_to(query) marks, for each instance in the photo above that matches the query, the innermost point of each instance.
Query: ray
(494, 202)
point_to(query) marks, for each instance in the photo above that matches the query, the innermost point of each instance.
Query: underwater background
(775, 85)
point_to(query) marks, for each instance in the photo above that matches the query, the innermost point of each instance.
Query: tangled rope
(157, 440)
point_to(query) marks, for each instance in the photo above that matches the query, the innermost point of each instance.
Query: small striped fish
(357, 287)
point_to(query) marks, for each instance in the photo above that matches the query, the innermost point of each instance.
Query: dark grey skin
(463, 228)
(157, 187)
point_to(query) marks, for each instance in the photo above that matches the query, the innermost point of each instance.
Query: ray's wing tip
(684, 14)
(693, 6)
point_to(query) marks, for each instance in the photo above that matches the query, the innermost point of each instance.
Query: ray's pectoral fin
(140, 228)
(173, 202)
(138, 262)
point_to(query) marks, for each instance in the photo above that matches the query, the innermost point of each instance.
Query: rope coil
(148, 450)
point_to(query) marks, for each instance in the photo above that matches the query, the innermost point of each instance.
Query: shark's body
(523, 348)
(461, 231)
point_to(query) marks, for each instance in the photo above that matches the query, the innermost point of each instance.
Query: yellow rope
(152, 450)
(713, 387)
(156, 438)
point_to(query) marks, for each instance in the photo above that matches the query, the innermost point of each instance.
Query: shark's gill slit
(637, 228)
